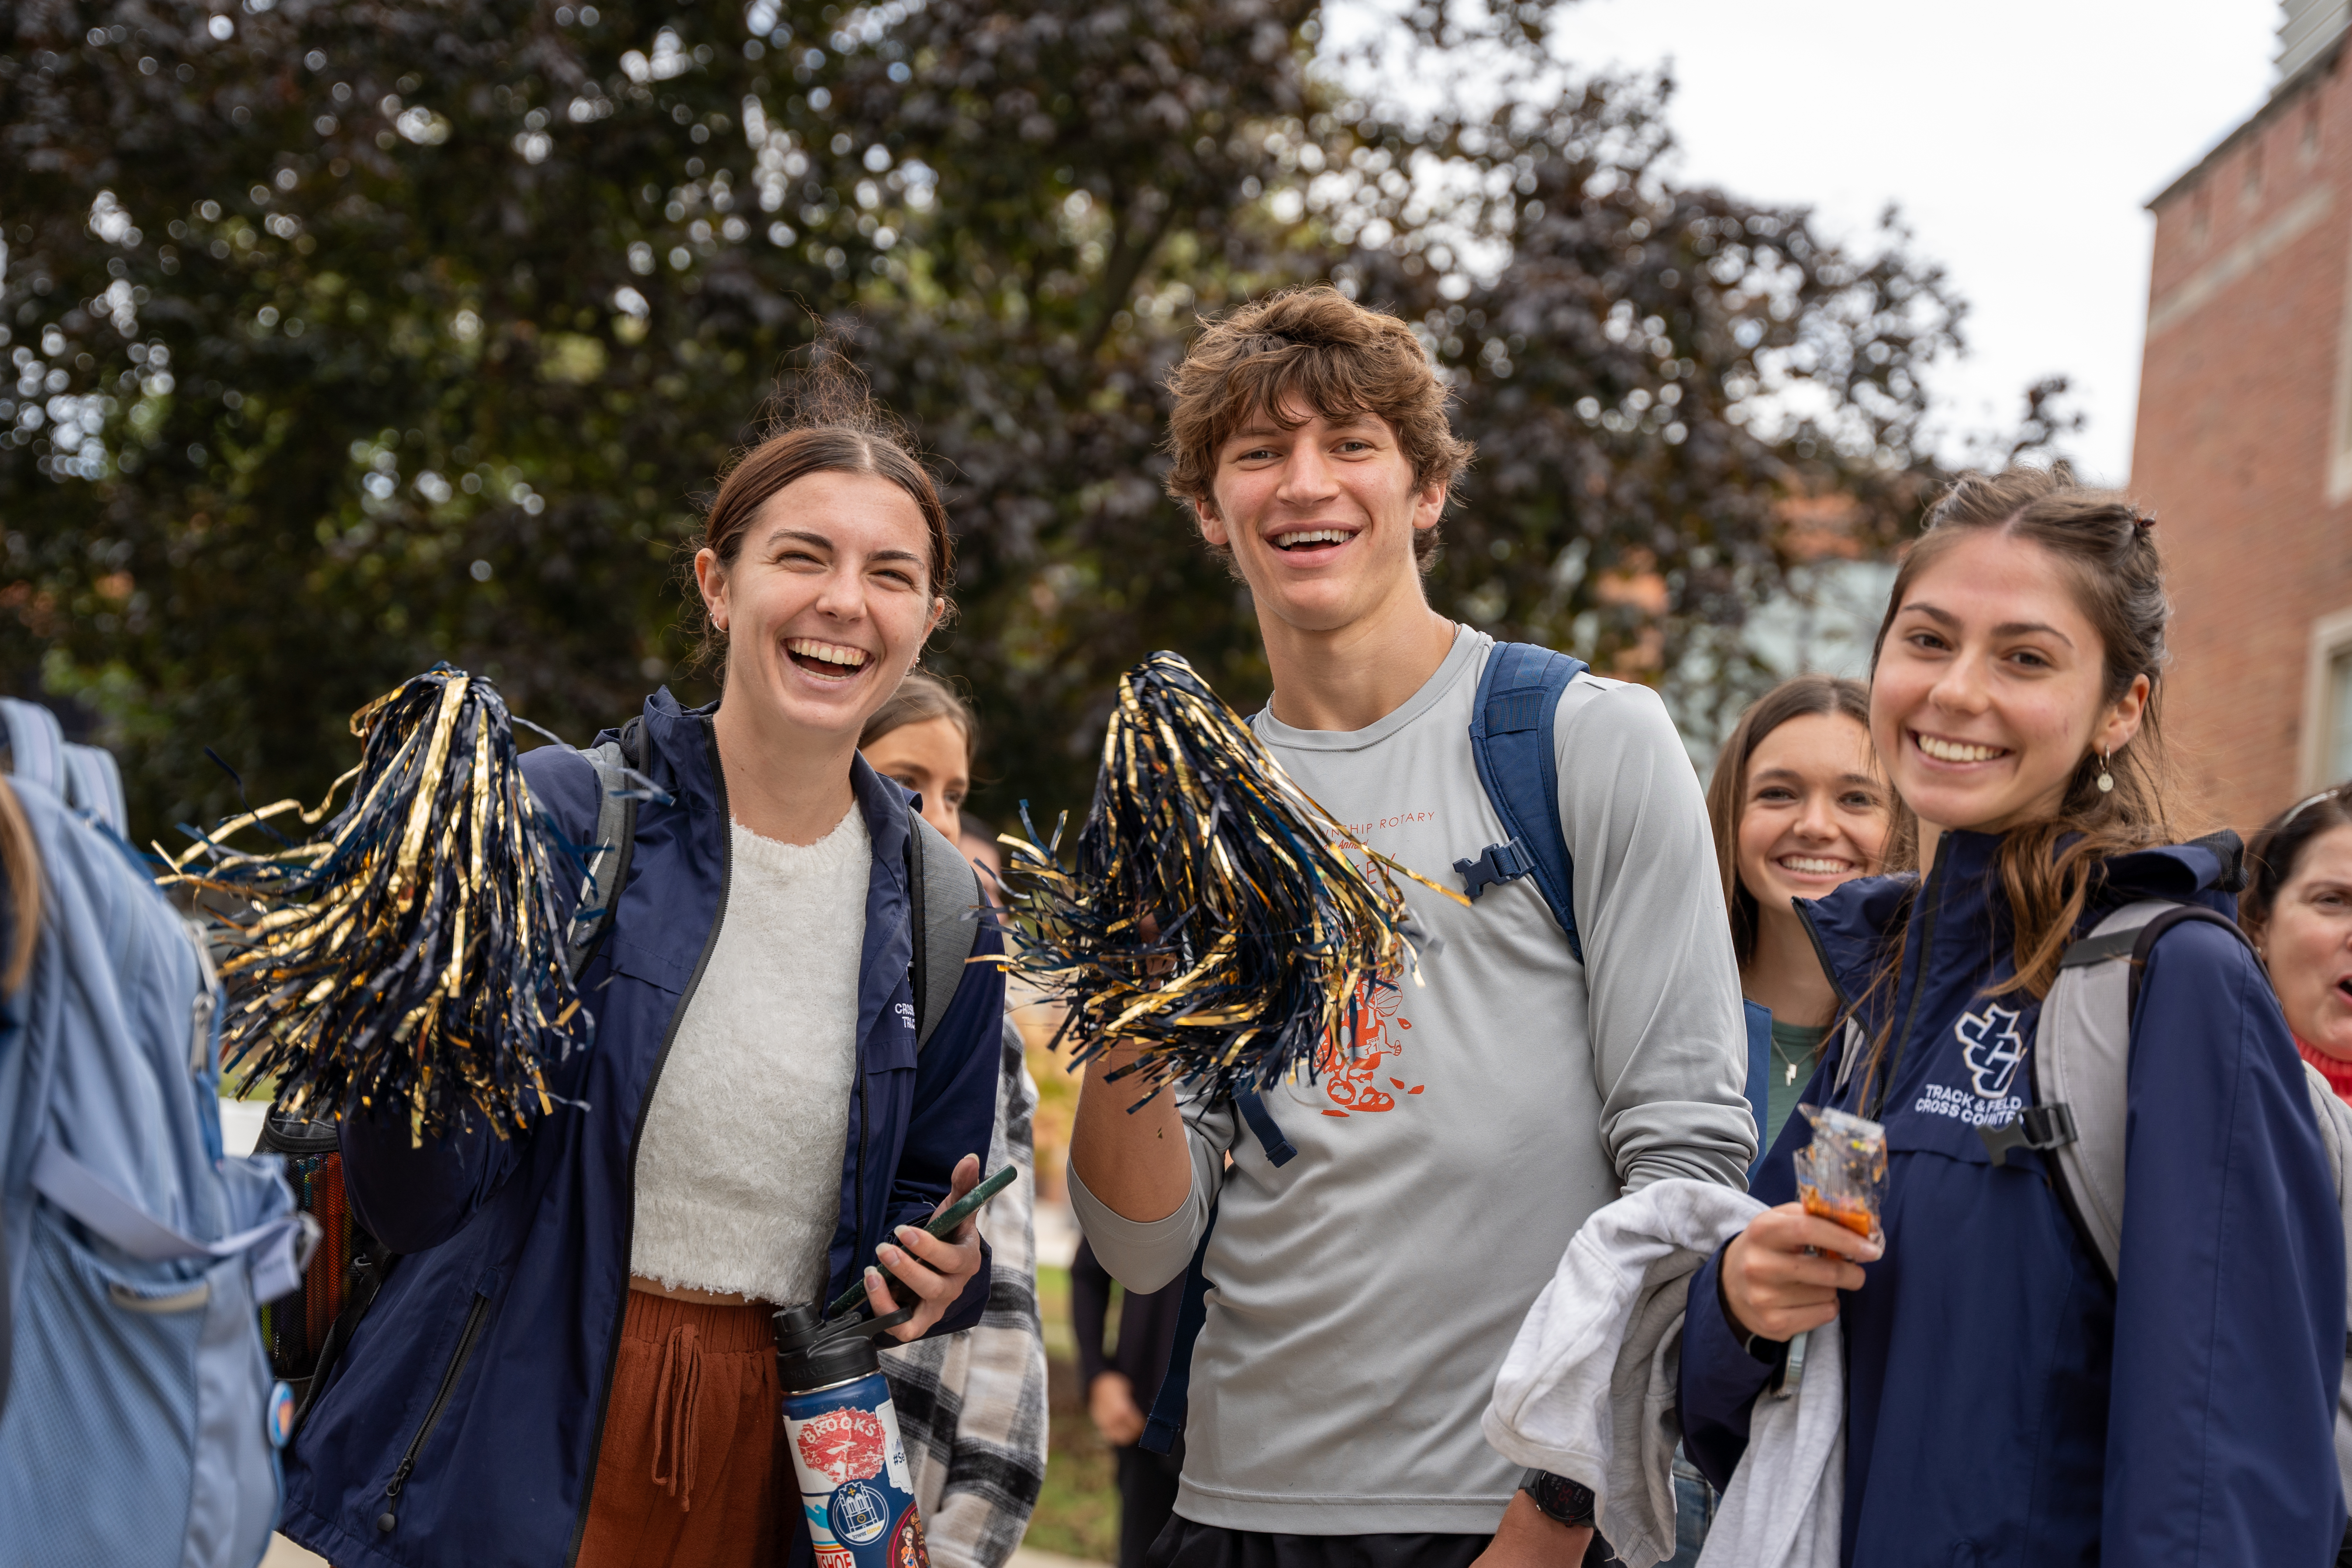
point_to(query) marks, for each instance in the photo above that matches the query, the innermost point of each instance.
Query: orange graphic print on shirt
(1349, 1063)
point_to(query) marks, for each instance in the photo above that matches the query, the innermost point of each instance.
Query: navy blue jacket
(2004, 1402)
(515, 1270)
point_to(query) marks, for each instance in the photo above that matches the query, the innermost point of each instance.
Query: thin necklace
(1786, 1059)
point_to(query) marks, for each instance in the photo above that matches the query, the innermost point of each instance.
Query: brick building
(2244, 436)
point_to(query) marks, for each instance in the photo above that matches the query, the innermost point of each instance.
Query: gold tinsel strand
(1262, 927)
(413, 954)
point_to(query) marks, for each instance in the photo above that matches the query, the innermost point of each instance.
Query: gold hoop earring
(2106, 777)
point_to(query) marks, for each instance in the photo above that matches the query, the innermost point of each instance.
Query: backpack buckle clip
(1495, 863)
(2041, 1128)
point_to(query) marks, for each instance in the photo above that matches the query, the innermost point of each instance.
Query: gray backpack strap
(2082, 1056)
(2335, 1120)
(96, 787)
(2335, 1136)
(2082, 1063)
(943, 898)
(609, 851)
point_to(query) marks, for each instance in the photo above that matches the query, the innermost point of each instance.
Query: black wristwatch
(1570, 1502)
(1758, 1347)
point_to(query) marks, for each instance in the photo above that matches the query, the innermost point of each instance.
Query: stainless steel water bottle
(857, 1492)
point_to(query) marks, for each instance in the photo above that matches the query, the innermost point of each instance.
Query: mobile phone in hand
(939, 1225)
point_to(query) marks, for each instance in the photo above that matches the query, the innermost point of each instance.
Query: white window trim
(2330, 636)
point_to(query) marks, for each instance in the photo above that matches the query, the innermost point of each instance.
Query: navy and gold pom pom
(1215, 915)
(411, 956)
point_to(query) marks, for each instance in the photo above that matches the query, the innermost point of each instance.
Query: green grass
(1078, 1509)
(1054, 1308)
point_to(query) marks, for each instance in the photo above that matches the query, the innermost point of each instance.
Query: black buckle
(2041, 1128)
(1496, 863)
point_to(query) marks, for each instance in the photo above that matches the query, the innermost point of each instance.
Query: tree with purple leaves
(343, 336)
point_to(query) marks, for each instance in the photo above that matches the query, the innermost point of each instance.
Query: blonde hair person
(972, 1404)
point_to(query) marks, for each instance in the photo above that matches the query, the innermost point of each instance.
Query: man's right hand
(1781, 1275)
(1110, 1400)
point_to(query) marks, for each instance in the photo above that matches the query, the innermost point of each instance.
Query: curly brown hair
(1312, 348)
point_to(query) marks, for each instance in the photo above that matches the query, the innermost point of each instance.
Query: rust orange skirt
(693, 1470)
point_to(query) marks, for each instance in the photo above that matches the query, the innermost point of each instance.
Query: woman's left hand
(935, 1268)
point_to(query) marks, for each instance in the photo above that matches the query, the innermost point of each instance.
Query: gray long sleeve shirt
(1367, 1291)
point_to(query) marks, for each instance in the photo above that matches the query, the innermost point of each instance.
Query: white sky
(2021, 138)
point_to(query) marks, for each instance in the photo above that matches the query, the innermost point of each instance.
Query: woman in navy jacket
(463, 1423)
(2005, 1401)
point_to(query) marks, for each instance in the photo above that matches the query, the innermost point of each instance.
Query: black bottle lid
(811, 1354)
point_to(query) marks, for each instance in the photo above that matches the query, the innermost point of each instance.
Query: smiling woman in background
(1798, 808)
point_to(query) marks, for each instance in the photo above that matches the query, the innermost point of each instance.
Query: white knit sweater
(738, 1178)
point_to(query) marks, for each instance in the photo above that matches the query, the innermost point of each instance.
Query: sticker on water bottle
(858, 1513)
(856, 1488)
(844, 1445)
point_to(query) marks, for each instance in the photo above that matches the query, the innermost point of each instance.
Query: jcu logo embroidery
(1992, 1047)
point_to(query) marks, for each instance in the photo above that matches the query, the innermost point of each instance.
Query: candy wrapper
(1841, 1174)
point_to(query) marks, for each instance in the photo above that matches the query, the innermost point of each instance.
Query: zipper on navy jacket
(1931, 895)
(857, 1170)
(638, 1133)
(466, 1338)
(1828, 970)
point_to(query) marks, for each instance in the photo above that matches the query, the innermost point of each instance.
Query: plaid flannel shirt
(971, 1405)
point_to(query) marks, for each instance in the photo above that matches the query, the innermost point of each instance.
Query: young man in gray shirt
(1366, 1291)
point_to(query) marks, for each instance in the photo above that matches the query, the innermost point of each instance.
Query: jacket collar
(679, 755)
(888, 808)
(1851, 925)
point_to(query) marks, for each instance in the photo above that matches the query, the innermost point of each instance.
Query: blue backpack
(139, 1421)
(1511, 741)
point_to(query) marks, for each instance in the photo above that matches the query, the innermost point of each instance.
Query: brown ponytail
(831, 424)
(20, 863)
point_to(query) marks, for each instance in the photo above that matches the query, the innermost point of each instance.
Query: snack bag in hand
(1841, 1174)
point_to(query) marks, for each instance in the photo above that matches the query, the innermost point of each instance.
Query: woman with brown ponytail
(2006, 1401)
(572, 1364)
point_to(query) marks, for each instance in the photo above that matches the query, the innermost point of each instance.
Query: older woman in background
(2297, 910)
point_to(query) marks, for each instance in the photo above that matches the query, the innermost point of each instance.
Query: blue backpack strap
(1279, 1151)
(1175, 1394)
(1511, 741)
(96, 787)
(37, 747)
(84, 777)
